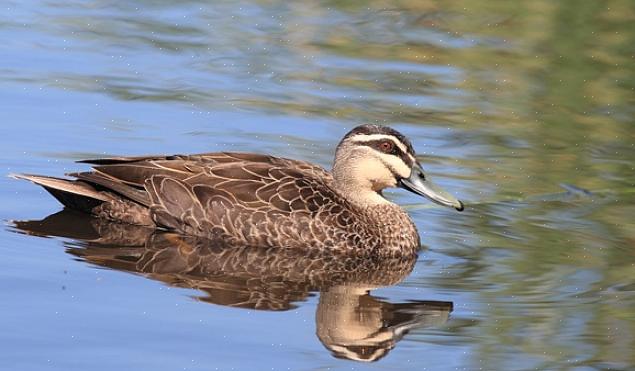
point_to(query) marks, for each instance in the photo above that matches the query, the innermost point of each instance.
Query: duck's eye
(386, 147)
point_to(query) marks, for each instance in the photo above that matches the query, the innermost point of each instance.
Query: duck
(252, 199)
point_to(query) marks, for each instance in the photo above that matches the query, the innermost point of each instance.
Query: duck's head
(371, 158)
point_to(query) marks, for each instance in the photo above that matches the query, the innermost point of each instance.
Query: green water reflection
(516, 99)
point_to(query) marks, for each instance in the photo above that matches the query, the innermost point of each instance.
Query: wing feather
(228, 194)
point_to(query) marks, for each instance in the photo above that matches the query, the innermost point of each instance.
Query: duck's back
(240, 198)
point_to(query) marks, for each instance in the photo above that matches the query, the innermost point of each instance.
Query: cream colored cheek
(402, 170)
(376, 173)
(385, 182)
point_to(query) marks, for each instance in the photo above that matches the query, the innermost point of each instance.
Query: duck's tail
(71, 193)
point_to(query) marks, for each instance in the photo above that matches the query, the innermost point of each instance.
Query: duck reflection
(350, 322)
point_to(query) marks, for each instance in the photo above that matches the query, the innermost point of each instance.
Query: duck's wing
(136, 169)
(246, 197)
(250, 203)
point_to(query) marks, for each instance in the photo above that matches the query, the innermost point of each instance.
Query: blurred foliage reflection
(515, 99)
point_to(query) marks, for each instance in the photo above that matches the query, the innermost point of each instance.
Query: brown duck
(259, 200)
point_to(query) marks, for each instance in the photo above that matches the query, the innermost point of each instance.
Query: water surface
(525, 111)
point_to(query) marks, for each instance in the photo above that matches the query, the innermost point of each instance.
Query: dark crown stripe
(375, 144)
(369, 129)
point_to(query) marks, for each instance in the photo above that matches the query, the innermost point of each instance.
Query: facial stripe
(413, 159)
(397, 152)
(379, 137)
(398, 167)
(369, 129)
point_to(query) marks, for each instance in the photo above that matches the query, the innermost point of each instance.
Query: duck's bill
(420, 184)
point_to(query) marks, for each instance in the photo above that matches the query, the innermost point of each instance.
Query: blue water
(503, 104)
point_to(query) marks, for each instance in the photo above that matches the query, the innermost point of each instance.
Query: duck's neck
(358, 190)
(397, 232)
(365, 198)
(393, 226)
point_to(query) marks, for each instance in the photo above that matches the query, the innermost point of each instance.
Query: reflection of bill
(350, 322)
(355, 325)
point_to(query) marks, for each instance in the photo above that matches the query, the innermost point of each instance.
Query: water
(525, 111)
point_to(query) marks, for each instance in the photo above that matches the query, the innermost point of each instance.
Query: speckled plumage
(247, 199)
